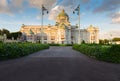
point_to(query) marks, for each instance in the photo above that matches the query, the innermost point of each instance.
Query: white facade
(61, 33)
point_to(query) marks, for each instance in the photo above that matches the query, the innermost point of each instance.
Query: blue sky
(104, 14)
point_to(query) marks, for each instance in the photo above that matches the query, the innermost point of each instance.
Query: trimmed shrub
(60, 44)
(14, 50)
(108, 53)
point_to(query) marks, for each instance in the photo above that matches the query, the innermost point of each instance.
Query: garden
(108, 53)
(15, 50)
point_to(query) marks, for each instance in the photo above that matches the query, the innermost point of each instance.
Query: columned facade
(60, 33)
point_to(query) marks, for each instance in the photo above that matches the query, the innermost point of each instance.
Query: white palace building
(60, 33)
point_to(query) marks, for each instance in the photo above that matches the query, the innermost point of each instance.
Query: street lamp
(78, 13)
(43, 11)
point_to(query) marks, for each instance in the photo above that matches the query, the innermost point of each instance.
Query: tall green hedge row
(60, 44)
(108, 53)
(14, 50)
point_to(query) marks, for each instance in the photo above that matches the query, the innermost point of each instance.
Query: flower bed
(14, 50)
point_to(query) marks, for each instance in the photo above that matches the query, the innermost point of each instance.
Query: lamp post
(78, 13)
(43, 10)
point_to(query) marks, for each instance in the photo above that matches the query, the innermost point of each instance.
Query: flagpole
(42, 26)
(78, 10)
(79, 24)
(79, 40)
(43, 9)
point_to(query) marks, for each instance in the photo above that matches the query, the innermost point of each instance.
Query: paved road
(58, 64)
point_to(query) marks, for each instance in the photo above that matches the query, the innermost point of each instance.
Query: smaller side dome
(91, 27)
(31, 32)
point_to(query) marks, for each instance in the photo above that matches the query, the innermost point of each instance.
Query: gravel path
(58, 64)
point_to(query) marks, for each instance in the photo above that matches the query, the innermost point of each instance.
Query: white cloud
(38, 17)
(38, 3)
(108, 5)
(4, 6)
(116, 18)
(54, 12)
(14, 6)
(48, 4)
(110, 34)
(85, 1)
(11, 6)
(67, 5)
(3, 3)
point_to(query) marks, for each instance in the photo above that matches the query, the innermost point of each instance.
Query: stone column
(69, 36)
(96, 37)
(76, 36)
(32, 38)
(59, 36)
(48, 38)
(90, 38)
(66, 36)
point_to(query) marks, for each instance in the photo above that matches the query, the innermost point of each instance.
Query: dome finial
(63, 10)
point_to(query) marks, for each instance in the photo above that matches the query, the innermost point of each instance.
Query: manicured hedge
(108, 53)
(14, 50)
(60, 44)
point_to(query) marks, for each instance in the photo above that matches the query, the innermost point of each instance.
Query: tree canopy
(4, 31)
(116, 39)
(105, 41)
(10, 35)
(15, 35)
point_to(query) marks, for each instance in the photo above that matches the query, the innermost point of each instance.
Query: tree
(101, 41)
(106, 41)
(0, 32)
(15, 35)
(116, 39)
(83, 42)
(5, 31)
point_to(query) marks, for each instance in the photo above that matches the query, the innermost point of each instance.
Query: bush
(14, 50)
(60, 44)
(109, 53)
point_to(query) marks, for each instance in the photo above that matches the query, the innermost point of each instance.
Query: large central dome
(63, 14)
(62, 18)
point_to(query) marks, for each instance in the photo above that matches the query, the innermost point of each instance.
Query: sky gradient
(104, 14)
